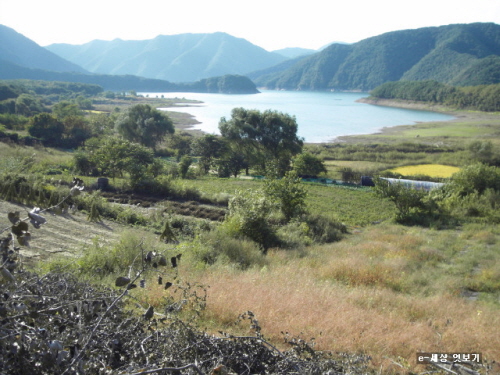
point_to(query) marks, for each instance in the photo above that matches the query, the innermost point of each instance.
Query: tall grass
(374, 321)
(386, 291)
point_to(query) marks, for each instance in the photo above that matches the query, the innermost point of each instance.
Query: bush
(294, 235)
(248, 214)
(220, 247)
(117, 259)
(475, 178)
(408, 200)
(324, 230)
(287, 194)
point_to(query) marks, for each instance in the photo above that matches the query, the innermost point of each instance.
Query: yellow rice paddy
(432, 170)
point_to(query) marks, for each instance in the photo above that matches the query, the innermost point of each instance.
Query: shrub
(408, 201)
(219, 247)
(249, 212)
(475, 178)
(324, 230)
(294, 235)
(287, 194)
(117, 259)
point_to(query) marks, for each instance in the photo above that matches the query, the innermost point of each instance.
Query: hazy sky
(271, 24)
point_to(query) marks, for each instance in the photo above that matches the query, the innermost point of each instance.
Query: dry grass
(362, 295)
(375, 321)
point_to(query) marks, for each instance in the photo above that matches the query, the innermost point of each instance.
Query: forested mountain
(17, 49)
(461, 54)
(176, 58)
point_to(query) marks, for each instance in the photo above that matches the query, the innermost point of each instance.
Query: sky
(270, 24)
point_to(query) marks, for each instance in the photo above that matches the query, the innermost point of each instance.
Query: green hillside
(462, 54)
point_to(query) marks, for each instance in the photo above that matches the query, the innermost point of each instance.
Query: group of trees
(51, 112)
(482, 97)
(264, 141)
(267, 140)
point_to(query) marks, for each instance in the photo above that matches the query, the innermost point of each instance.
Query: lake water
(321, 116)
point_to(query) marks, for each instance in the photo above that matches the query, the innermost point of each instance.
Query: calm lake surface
(321, 116)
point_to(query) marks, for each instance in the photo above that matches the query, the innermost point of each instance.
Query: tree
(181, 143)
(184, 165)
(208, 148)
(287, 194)
(113, 157)
(271, 134)
(64, 109)
(145, 125)
(47, 128)
(76, 130)
(230, 163)
(306, 164)
(101, 124)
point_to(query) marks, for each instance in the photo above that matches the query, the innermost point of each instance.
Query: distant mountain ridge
(21, 58)
(461, 54)
(18, 49)
(292, 53)
(176, 58)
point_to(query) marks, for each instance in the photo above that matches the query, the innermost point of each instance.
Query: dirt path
(62, 234)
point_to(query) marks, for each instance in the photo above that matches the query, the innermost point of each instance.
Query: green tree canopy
(208, 147)
(47, 128)
(113, 157)
(268, 136)
(28, 105)
(145, 125)
(306, 164)
(64, 109)
(287, 194)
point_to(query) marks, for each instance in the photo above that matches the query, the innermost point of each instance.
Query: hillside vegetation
(463, 54)
(175, 257)
(482, 98)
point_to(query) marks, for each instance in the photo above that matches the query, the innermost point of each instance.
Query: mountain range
(21, 58)
(175, 58)
(460, 54)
